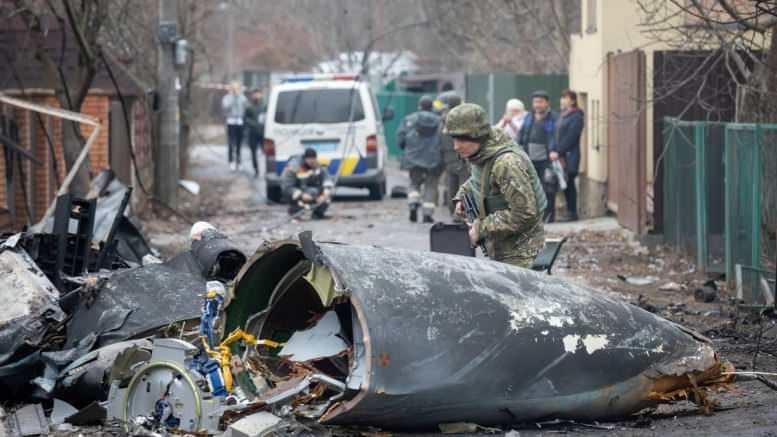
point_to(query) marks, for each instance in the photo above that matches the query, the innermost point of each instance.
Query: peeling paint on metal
(594, 343)
(570, 343)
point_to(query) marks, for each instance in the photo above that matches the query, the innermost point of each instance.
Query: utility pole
(230, 39)
(167, 165)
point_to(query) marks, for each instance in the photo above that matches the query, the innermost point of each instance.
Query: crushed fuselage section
(411, 339)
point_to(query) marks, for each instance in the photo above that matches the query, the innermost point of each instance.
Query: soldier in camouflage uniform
(503, 184)
(456, 169)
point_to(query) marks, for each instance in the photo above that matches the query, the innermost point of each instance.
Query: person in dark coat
(538, 139)
(419, 137)
(569, 127)
(254, 119)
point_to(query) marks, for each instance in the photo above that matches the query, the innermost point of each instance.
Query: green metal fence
(402, 103)
(492, 90)
(719, 193)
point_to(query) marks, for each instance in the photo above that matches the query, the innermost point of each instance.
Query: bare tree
(84, 20)
(524, 36)
(739, 34)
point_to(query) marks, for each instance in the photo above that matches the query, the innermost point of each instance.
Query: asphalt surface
(235, 202)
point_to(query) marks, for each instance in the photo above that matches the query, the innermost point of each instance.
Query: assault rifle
(472, 212)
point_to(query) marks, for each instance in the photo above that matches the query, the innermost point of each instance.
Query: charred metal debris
(306, 334)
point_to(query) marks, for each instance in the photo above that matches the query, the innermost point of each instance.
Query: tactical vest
(490, 203)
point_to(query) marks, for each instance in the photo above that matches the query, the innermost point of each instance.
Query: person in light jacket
(233, 106)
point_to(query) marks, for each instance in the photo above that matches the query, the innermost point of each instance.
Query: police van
(338, 116)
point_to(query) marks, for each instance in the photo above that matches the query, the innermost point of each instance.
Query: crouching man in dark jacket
(307, 185)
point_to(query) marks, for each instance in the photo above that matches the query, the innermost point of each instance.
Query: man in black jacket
(568, 130)
(254, 121)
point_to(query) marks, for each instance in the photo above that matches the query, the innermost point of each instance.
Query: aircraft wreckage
(401, 339)
(310, 332)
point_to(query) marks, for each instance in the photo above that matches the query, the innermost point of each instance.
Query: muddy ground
(598, 254)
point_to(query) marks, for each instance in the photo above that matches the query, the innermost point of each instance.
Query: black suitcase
(450, 238)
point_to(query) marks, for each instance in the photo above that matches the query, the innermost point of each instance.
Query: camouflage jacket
(513, 233)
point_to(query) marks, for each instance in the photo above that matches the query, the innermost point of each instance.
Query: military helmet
(449, 99)
(426, 103)
(467, 120)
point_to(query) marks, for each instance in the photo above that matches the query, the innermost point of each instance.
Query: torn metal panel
(321, 341)
(29, 420)
(133, 302)
(256, 425)
(29, 304)
(87, 378)
(433, 326)
(61, 411)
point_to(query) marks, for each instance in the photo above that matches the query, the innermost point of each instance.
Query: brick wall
(23, 178)
(42, 182)
(98, 106)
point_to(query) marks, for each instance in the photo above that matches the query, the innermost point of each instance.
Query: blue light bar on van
(317, 77)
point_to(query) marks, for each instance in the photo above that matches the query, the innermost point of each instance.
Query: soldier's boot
(428, 210)
(414, 202)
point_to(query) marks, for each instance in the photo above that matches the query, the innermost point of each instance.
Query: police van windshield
(319, 106)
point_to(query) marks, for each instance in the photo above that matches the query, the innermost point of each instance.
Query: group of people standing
(552, 142)
(245, 117)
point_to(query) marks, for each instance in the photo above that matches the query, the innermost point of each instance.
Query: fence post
(756, 217)
(667, 160)
(728, 186)
(700, 130)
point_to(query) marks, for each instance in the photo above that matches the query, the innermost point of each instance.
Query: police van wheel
(377, 191)
(274, 194)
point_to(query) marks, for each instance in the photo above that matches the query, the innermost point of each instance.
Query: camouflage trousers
(424, 189)
(519, 261)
